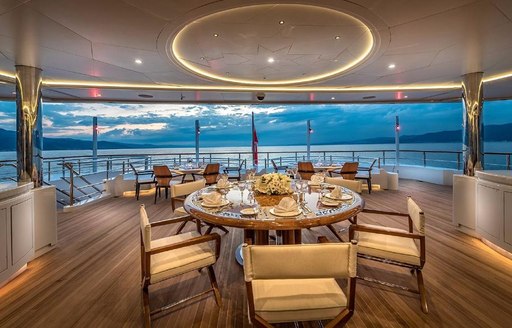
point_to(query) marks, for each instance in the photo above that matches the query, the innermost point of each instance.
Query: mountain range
(502, 132)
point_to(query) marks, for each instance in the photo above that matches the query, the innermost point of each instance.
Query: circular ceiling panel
(273, 44)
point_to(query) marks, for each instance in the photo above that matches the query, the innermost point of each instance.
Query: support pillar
(95, 144)
(29, 133)
(472, 133)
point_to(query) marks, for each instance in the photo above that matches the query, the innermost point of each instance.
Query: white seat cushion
(288, 300)
(180, 211)
(175, 262)
(396, 248)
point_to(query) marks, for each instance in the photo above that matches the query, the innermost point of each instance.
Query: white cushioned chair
(290, 283)
(405, 248)
(353, 185)
(168, 257)
(178, 194)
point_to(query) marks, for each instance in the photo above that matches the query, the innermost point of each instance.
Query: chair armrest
(172, 220)
(385, 212)
(383, 231)
(193, 241)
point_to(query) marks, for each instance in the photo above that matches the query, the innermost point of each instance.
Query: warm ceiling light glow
(270, 59)
(180, 50)
(337, 37)
(215, 34)
(281, 22)
(202, 58)
(333, 98)
(406, 97)
(391, 66)
(138, 61)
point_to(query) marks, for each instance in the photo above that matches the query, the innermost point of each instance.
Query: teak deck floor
(92, 277)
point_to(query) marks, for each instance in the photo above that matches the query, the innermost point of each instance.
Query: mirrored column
(473, 132)
(29, 131)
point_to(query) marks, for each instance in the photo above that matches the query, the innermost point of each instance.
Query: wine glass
(242, 186)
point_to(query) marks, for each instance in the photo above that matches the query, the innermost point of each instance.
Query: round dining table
(256, 225)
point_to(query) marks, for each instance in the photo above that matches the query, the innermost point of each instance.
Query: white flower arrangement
(273, 184)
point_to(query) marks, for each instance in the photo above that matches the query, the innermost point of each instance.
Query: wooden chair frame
(210, 173)
(347, 173)
(368, 176)
(278, 167)
(146, 265)
(237, 169)
(169, 176)
(339, 321)
(305, 173)
(141, 174)
(414, 268)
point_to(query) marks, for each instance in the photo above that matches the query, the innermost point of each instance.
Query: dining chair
(291, 283)
(210, 173)
(353, 185)
(178, 194)
(166, 258)
(403, 248)
(163, 179)
(305, 170)
(365, 173)
(237, 169)
(278, 168)
(142, 177)
(348, 171)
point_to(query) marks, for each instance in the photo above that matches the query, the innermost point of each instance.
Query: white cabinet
(16, 230)
(508, 217)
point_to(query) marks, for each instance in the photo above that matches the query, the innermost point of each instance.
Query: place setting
(287, 207)
(213, 200)
(335, 197)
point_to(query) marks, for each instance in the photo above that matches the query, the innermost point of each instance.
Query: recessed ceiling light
(98, 95)
(369, 97)
(138, 61)
(270, 59)
(14, 92)
(281, 22)
(391, 66)
(337, 37)
(202, 58)
(215, 34)
(333, 98)
(406, 97)
(143, 95)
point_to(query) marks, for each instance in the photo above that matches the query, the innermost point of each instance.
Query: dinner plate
(224, 202)
(311, 183)
(248, 211)
(285, 214)
(328, 202)
(343, 197)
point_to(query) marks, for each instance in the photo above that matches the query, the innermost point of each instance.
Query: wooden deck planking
(92, 278)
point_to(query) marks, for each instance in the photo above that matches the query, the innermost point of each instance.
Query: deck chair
(290, 283)
(395, 246)
(210, 173)
(348, 171)
(163, 179)
(305, 170)
(237, 170)
(178, 194)
(365, 173)
(142, 177)
(166, 258)
(278, 168)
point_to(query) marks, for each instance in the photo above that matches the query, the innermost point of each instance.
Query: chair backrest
(416, 214)
(145, 228)
(337, 260)
(305, 170)
(274, 165)
(371, 165)
(354, 185)
(349, 170)
(163, 175)
(212, 168)
(242, 163)
(187, 188)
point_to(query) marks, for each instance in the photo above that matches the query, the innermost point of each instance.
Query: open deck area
(92, 278)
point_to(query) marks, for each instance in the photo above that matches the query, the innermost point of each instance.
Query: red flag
(254, 143)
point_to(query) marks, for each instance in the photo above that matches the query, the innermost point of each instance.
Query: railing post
(424, 159)
(280, 160)
(71, 185)
(458, 161)
(324, 156)
(63, 169)
(49, 171)
(383, 157)
(146, 163)
(210, 158)
(228, 161)
(353, 156)
(378, 162)
(239, 158)
(268, 160)
(123, 167)
(296, 158)
(79, 167)
(508, 162)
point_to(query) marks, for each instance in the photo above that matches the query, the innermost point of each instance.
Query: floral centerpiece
(273, 184)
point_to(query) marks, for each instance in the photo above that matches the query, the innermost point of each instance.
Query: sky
(230, 125)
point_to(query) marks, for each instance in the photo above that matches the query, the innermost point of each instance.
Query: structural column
(29, 131)
(473, 132)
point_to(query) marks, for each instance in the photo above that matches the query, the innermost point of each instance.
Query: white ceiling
(97, 41)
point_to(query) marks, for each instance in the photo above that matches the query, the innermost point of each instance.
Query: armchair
(348, 171)
(178, 194)
(289, 283)
(210, 173)
(365, 173)
(142, 177)
(395, 246)
(237, 169)
(163, 178)
(305, 170)
(278, 168)
(165, 258)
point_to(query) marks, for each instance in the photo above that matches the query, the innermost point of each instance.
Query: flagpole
(95, 144)
(198, 131)
(308, 139)
(397, 143)
(254, 143)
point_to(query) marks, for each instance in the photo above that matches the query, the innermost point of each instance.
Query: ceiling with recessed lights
(227, 51)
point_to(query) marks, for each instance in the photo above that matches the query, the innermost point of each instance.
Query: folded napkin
(222, 183)
(317, 178)
(287, 204)
(336, 192)
(212, 198)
